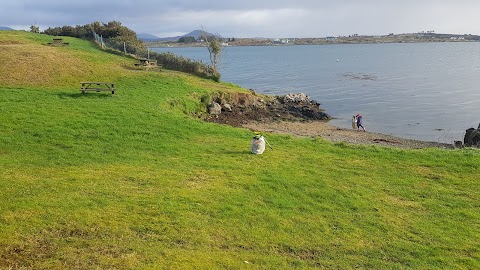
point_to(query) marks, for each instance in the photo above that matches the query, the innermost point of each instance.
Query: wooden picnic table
(58, 42)
(146, 63)
(97, 87)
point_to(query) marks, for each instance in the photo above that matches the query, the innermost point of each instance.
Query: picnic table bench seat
(58, 42)
(146, 63)
(97, 87)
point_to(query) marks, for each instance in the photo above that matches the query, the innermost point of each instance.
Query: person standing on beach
(359, 122)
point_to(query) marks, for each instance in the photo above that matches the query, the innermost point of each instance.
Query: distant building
(331, 38)
(280, 41)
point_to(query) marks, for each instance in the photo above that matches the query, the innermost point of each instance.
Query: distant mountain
(5, 28)
(146, 37)
(197, 34)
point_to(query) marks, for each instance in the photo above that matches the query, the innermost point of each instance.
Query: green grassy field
(132, 181)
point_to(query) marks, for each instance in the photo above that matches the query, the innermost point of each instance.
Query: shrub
(183, 64)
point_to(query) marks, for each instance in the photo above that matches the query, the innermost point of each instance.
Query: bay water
(423, 91)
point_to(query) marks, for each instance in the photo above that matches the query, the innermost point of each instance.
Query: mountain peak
(146, 37)
(197, 34)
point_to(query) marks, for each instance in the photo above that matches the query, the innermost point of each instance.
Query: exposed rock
(309, 113)
(298, 97)
(291, 107)
(458, 144)
(227, 107)
(214, 108)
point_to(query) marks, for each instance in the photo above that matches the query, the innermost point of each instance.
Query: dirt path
(335, 134)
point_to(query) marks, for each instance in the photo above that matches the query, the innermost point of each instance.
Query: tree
(188, 39)
(214, 49)
(34, 29)
(68, 31)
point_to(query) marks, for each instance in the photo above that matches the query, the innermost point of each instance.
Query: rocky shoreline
(297, 115)
(237, 110)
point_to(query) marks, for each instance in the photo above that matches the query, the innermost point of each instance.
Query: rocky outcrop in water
(300, 105)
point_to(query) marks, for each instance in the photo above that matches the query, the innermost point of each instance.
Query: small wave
(360, 76)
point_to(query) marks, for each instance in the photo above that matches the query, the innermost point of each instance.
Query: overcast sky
(252, 18)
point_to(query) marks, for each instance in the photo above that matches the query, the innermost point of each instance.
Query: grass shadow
(142, 68)
(246, 152)
(86, 95)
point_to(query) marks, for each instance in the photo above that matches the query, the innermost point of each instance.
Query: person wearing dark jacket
(359, 122)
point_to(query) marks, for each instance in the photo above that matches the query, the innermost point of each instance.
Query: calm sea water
(425, 91)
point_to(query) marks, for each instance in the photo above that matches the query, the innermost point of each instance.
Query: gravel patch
(334, 134)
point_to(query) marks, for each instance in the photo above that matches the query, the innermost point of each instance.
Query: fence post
(148, 53)
(124, 48)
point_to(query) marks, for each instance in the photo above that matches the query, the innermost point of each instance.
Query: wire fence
(167, 60)
(98, 39)
(136, 49)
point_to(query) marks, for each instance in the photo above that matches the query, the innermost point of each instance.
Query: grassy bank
(131, 181)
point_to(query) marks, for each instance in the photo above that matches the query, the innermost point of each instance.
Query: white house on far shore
(280, 41)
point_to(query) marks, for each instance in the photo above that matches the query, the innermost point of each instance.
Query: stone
(214, 108)
(299, 97)
(457, 144)
(227, 107)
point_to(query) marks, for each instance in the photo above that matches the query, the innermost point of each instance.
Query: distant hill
(197, 34)
(146, 37)
(5, 28)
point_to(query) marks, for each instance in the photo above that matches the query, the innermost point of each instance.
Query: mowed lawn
(133, 181)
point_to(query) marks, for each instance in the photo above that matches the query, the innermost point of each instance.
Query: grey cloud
(272, 18)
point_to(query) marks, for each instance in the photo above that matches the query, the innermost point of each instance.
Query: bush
(183, 64)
